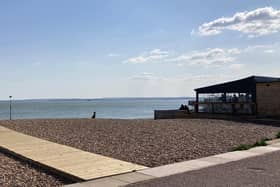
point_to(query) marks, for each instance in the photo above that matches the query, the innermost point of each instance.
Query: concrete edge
(177, 168)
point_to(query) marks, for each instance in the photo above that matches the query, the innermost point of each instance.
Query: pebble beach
(147, 142)
(16, 173)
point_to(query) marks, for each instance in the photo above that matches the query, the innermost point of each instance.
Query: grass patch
(278, 135)
(243, 147)
(261, 142)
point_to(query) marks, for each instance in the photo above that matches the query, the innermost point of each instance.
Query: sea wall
(170, 114)
(179, 114)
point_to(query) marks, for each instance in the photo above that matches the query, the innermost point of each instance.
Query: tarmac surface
(256, 171)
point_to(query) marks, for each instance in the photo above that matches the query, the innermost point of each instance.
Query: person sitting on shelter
(184, 107)
(224, 98)
(235, 98)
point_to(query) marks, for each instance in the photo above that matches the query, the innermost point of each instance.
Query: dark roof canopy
(246, 85)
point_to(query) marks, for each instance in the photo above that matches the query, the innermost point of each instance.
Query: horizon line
(96, 98)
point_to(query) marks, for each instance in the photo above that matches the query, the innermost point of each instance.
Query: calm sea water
(83, 108)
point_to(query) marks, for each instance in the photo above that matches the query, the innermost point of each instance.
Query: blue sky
(129, 48)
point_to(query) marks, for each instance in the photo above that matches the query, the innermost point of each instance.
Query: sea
(119, 108)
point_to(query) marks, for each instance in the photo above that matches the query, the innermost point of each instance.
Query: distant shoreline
(101, 98)
(125, 119)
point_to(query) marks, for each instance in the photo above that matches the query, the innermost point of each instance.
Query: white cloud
(153, 55)
(158, 52)
(232, 58)
(152, 84)
(258, 22)
(113, 55)
(215, 56)
(270, 48)
(186, 79)
(145, 76)
(269, 51)
(236, 67)
(256, 47)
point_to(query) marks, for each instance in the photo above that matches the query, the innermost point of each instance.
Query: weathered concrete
(237, 155)
(263, 149)
(262, 170)
(115, 181)
(103, 182)
(132, 177)
(174, 174)
(172, 169)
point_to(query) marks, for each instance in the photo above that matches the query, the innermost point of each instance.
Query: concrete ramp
(67, 161)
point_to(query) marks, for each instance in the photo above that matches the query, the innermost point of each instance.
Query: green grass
(242, 147)
(278, 135)
(258, 143)
(261, 142)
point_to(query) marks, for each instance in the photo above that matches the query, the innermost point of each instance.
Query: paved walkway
(72, 163)
(256, 171)
(258, 166)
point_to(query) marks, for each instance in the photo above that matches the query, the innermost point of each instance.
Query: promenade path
(258, 166)
(259, 171)
(72, 163)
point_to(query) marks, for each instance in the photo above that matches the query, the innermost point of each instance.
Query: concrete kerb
(114, 181)
(181, 167)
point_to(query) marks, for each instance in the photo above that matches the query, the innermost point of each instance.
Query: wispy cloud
(145, 76)
(153, 55)
(258, 22)
(269, 51)
(113, 55)
(236, 67)
(183, 79)
(209, 58)
(269, 48)
(215, 56)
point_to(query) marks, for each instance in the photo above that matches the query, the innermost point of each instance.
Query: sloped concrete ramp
(67, 161)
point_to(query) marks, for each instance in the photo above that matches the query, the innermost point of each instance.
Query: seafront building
(254, 95)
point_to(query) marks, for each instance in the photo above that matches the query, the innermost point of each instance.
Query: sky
(132, 48)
